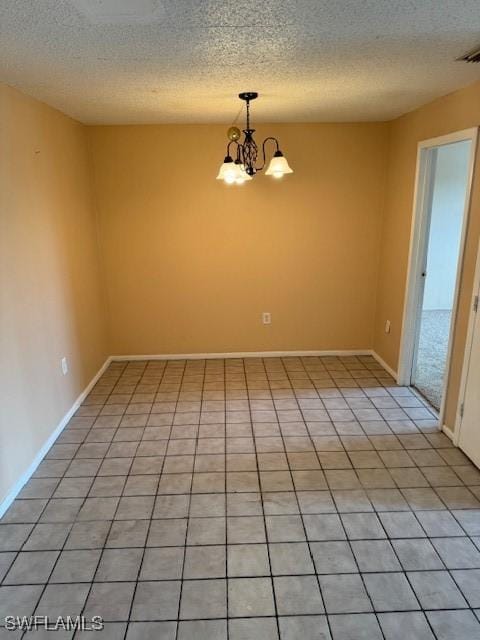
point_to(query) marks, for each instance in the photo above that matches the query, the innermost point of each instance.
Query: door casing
(415, 284)
(474, 310)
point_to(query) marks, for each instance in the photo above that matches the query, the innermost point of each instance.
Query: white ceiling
(145, 61)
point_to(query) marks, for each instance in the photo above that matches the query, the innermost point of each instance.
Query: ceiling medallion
(244, 166)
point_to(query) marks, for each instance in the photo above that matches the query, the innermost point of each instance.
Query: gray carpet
(432, 354)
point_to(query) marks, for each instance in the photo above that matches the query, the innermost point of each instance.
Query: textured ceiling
(146, 61)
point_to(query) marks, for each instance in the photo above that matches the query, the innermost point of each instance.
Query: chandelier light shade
(232, 172)
(244, 166)
(278, 166)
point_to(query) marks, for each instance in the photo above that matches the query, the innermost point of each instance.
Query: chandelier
(240, 164)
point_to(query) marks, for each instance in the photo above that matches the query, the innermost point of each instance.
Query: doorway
(442, 195)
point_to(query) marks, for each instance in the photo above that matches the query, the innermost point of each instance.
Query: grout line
(189, 505)
(262, 503)
(227, 577)
(150, 520)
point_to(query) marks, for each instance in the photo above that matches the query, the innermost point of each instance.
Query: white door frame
(468, 349)
(417, 255)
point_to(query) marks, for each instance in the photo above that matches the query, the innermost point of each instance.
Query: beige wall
(191, 263)
(49, 278)
(459, 110)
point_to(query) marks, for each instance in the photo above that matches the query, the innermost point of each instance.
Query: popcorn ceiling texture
(185, 60)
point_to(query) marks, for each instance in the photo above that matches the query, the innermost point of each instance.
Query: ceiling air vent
(471, 56)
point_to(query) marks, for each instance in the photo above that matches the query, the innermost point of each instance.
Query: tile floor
(296, 498)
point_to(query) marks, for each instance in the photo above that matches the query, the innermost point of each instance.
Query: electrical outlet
(64, 366)
(267, 317)
(387, 326)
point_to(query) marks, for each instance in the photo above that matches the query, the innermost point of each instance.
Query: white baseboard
(25, 477)
(448, 432)
(242, 354)
(382, 362)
